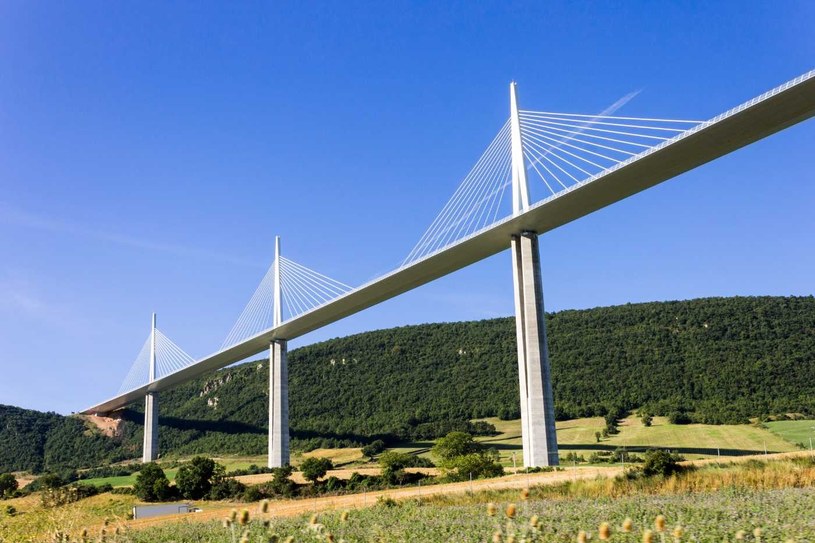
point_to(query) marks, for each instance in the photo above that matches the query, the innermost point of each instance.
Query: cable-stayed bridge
(542, 170)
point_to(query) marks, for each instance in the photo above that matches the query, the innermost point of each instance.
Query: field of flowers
(726, 515)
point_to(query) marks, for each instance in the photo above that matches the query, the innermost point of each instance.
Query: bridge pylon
(534, 374)
(278, 381)
(150, 444)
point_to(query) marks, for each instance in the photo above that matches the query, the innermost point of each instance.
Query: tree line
(712, 360)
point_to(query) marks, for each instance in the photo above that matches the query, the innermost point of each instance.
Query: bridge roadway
(771, 112)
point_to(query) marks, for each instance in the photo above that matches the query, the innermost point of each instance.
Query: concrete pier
(537, 404)
(278, 405)
(150, 445)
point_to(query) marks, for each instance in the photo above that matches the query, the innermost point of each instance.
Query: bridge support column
(278, 405)
(150, 445)
(537, 405)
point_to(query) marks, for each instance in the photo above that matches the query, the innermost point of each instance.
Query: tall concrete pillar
(537, 404)
(278, 405)
(150, 445)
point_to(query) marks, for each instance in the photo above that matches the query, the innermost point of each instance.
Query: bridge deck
(778, 109)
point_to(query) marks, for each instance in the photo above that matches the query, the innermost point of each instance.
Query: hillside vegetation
(715, 360)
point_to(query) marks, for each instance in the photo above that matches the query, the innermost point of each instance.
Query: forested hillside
(715, 360)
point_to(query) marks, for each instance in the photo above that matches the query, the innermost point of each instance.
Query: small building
(159, 510)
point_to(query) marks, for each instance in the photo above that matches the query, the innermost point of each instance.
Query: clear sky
(150, 152)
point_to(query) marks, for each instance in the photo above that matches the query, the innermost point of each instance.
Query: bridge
(577, 163)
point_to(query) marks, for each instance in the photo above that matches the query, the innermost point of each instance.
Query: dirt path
(287, 508)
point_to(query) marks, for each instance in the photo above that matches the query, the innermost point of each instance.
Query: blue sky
(150, 152)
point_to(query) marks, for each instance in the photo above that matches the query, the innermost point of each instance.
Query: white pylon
(520, 188)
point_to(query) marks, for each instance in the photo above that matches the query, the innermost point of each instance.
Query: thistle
(525, 494)
(344, 516)
(647, 536)
(628, 525)
(264, 506)
(678, 532)
(740, 535)
(511, 510)
(659, 523)
(491, 509)
(604, 531)
(533, 522)
(582, 537)
(244, 518)
(313, 520)
(497, 537)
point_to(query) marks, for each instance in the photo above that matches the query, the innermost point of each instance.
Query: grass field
(795, 431)
(712, 503)
(694, 441)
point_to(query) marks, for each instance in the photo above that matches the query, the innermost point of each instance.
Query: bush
(679, 417)
(314, 468)
(229, 489)
(373, 448)
(453, 445)
(8, 485)
(195, 479)
(152, 484)
(478, 465)
(281, 483)
(658, 462)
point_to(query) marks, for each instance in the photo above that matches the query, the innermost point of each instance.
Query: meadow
(748, 500)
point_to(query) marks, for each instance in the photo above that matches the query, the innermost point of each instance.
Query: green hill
(715, 360)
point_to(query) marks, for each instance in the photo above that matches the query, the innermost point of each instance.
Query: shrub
(373, 448)
(195, 479)
(659, 462)
(8, 485)
(152, 484)
(227, 489)
(679, 417)
(478, 465)
(314, 468)
(453, 445)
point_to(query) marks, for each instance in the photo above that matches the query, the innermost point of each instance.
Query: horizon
(148, 157)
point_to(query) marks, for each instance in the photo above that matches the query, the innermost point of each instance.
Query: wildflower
(329, 537)
(264, 506)
(534, 521)
(233, 516)
(245, 537)
(678, 532)
(511, 538)
(604, 532)
(496, 537)
(647, 536)
(582, 537)
(244, 519)
(490, 509)
(628, 525)
(227, 522)
(659, 523)
(344, 516)
(757, 533)
(511, 510)
(525, 494)
(740, 535)
(313, 519)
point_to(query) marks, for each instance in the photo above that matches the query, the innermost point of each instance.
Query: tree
(393, 466)
(372, 449)
(195, 478)
(647, 420)
(152, 484)
(478, 465)
(597, 436)
(659, 462)
(8, 485)
(313, 468)
(453, 445)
